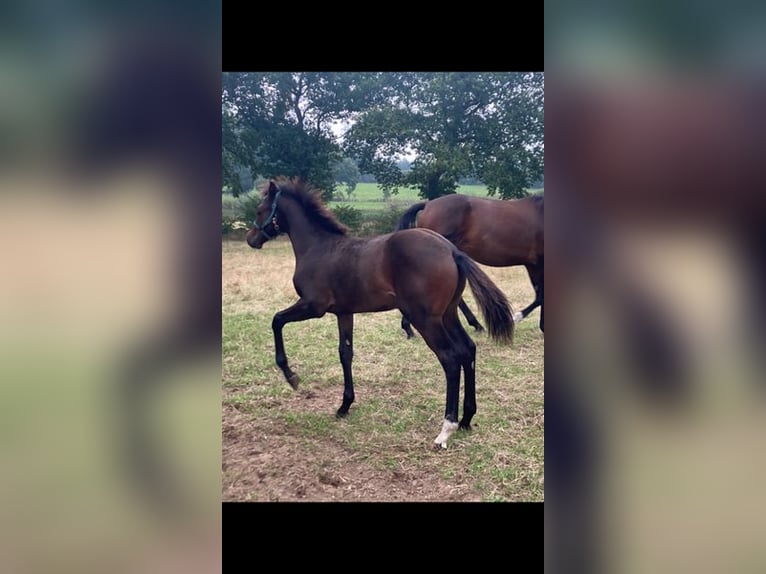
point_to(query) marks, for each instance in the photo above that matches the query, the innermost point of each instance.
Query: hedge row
(361, 223)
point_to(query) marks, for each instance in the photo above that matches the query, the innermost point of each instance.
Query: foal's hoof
(465, 427)
(478, 328)
(341, 414)
(438, 446)
(293, 380)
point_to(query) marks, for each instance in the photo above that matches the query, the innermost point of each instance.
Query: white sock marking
(447, 429)
(517, 317)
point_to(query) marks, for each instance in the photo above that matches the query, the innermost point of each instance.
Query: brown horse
(416, 271)
(490, 231)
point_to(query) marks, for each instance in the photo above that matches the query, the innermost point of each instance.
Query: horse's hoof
(517, 317)
(479, 329)
(341, 414)
(465, 427)
(293, 380)
(438, 446)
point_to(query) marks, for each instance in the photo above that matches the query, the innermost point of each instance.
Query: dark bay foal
(416, 271)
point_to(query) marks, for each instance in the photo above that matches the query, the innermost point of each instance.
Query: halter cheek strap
(272, 218)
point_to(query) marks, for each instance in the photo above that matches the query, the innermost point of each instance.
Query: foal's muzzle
(255, 239)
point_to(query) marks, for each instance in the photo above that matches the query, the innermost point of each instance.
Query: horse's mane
(310, 198)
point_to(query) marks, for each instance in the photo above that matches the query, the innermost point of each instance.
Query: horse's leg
(470, 317)
(536, 277)
(301, 311)
(407, 327)
(469, 369)
(346, 350)
(538, 283)
(439, 341)
(542, 302)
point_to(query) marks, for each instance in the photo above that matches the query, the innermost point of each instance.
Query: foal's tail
(497, 312)
(408, 218)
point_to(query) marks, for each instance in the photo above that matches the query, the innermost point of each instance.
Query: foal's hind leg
(470, 317)
(300, 311)
(439, 341)
(468, 361)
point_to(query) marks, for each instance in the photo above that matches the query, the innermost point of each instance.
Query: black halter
(272, 218)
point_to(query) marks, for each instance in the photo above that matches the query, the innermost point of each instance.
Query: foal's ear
(273, 189)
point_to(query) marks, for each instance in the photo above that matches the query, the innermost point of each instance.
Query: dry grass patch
(279, 444)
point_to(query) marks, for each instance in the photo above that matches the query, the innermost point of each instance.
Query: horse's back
(491, 231)
(517, 222)
(472, 223)
(526, 212)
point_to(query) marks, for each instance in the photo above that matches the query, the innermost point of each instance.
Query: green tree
(234, 155)
(281, 123)
(346, 172)
(484, 125)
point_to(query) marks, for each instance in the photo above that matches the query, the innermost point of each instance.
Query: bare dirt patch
(264, 463)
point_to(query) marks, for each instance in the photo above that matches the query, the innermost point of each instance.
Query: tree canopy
(487, 126)
(461, 124)
(280, 123)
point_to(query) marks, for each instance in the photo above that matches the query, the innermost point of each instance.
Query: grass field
(369, 197)
(280, 444)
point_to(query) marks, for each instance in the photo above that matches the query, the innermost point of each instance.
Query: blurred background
(654, 380)
(109, 348)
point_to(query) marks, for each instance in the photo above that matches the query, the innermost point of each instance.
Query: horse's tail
(408, 219)
(494, 305)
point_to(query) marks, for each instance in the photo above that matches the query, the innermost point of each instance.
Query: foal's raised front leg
(346, 350)
(301, 311)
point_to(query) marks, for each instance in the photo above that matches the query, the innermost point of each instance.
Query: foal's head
(267, 224)
(271, 216)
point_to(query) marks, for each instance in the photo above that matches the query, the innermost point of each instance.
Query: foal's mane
(310, 198)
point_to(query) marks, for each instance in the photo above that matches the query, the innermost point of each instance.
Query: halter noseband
(272, 218)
